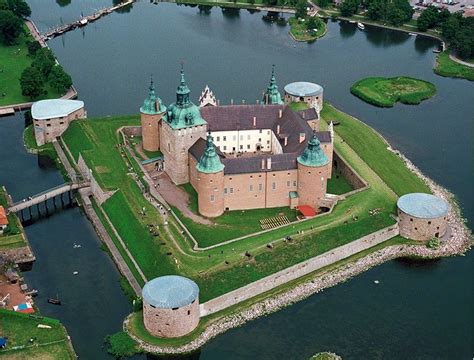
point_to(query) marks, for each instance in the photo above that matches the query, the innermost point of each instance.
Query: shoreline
(460, 241)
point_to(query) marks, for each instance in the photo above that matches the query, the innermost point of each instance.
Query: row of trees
(12, 13)
(43, 70)
(456, 29)
(395, 12)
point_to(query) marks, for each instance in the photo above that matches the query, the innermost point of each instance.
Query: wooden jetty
(83, 21)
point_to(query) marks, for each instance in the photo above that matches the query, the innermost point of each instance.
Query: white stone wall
(46, 130)
(243, 140)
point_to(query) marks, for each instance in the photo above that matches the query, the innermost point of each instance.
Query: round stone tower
(210, 181)
(313, 171)
(151, 113)
(422, 216)
(170, 306)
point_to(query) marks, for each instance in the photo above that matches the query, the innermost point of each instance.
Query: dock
(84, 21)
(7, 111)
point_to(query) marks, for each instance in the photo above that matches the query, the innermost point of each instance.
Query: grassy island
(49, 343)
(228, 266)
(385, 92)
(449, 68)
(308, 29)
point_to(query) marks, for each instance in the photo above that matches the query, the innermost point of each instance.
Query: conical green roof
(152, 104)
(313, 155)
(210, 162)
(183, 113)
(272, 95)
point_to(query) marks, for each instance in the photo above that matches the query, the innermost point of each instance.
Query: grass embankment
(231, 224)
(48, 344)
(30, 144)
(12, 236)
(226, 268)
(449, 68)
(373, 150)
(301, 32)
(298, 105)
(13, 60)
(385, 92)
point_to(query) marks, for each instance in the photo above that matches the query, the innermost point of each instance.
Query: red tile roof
(3, 216)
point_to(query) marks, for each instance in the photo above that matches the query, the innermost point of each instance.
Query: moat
(431, 135)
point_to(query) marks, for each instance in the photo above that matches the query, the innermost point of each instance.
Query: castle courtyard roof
(54, 108)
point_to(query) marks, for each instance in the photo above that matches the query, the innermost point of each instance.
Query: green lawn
(449, 68)
(385, 92)
(300, 31)
(49, 344)
(338, 184)
(12, 237)
(13, 60)
(298, 105)
(30, 143)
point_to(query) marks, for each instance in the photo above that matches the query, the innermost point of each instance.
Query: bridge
(44, 196)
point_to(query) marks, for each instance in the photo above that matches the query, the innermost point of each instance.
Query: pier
(83, 21)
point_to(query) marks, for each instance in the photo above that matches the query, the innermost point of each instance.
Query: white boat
(352, 21)
(83, 21)
(360, 26)
(412, 34)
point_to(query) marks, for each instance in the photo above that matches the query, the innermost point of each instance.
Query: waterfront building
(422, 216)
(254, 156)
(170, 306)
(3, 219)
(52, 117)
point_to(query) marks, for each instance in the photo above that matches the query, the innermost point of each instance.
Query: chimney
(263, 164)
(254, 121)
(258, 101)
(286, 140)
(278, 129)
(243, 101)
(280, 113)
(302, 137)
(269, 163)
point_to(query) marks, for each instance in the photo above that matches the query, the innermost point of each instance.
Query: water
(417, 311)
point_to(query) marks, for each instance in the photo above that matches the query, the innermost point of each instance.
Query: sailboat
(360, 26)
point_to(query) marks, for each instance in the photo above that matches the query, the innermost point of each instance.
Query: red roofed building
(3, 219)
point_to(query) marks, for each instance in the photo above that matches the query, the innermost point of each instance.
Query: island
(217, 214)
(385, 92)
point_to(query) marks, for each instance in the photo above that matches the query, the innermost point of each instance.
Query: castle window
(231, 190)
(218, 138)
(61, 123)
(268, 132)
(260, 131)
(416, 228)
(411, 219)
(259, 139)
(260, 187)
(248, 147)
(189, 312)
(309, 172)
(288, 183)
(175, 308)
(251, 176)
(294, 182)
(429, 222)
(241, 137)
(225, 190)
(274, 185)
(234, 137)
(48, 125)
(225, 148)
(437, 228)
(241, 147)
(268, 142)
(251, 188)
(212, 198)
(224, 138)
(210, 180)
(248, 137)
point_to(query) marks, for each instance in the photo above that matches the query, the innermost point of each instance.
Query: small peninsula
(385, 92)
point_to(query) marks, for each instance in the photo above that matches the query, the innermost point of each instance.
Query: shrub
(121, 345)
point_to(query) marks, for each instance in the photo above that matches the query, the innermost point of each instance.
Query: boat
(412, 34)
(83, 21)
(360, 26)
(32, 293)
(436, 51)
(352, 21)
(54, 301)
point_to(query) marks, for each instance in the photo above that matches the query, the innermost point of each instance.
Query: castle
(243, 156)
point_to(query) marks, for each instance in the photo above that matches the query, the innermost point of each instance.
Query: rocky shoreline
(457, 241)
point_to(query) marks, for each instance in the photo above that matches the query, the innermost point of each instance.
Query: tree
(313, 22)
(301, 9)
(32, 82)
(323, 3)
(349, 7)
(10, 27)
(19, 7)
(33, 47)
(59, 79)
(44, 61)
